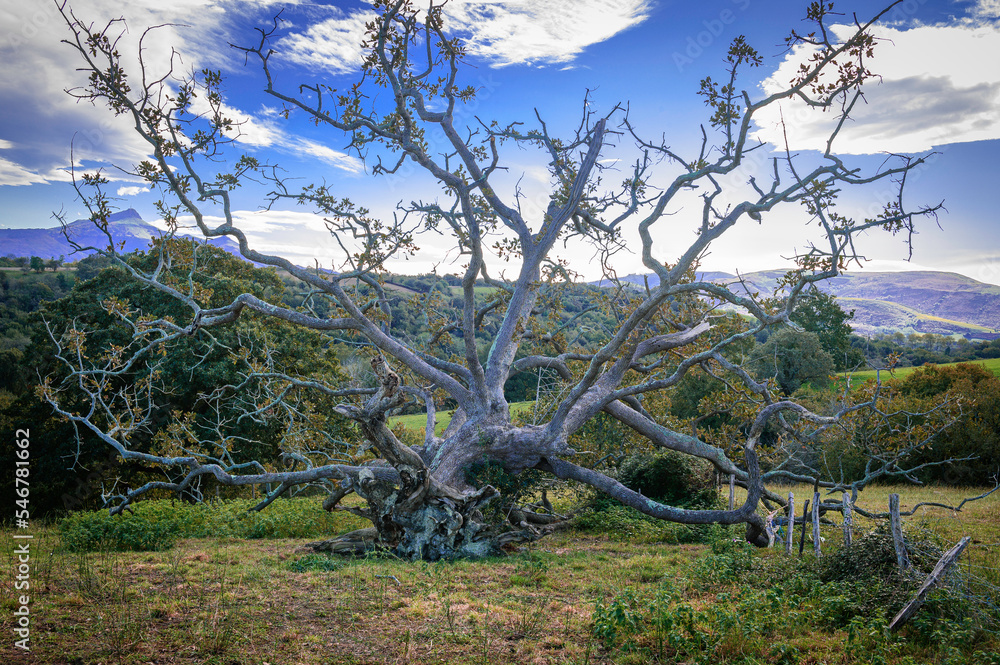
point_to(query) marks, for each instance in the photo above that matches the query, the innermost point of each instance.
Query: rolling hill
(914, 301)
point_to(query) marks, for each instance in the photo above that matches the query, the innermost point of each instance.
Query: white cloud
(300, 237)
(987, 9)
(262, 131)
(326, 154)
(522, 32)
(15, 174)
(130, 191)
(936, 89)
(38, 68)
(250, 130)
(504, 32)
(333, 45)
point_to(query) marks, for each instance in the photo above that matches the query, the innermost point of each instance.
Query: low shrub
(672, 478)
(663, 476)
(83, 532)
(624, 523)
(157, 524)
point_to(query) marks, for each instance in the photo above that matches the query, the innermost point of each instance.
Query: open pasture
(992, 364)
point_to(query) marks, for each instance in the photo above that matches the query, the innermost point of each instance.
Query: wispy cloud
(333, 45)
(15, 174)
(300, 237)
(503, 32)
(931, 92)
(261, 130)
(45, 122)
(987, 9)
(521, 32)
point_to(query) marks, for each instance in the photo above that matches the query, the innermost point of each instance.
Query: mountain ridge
(921, 301)
(127, 228)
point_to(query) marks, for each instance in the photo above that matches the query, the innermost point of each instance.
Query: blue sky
(940, 90)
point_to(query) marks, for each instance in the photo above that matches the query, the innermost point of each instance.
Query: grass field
(611, 597)
(992, 364)
(418, 421)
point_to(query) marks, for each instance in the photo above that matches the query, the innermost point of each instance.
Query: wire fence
(924, 534)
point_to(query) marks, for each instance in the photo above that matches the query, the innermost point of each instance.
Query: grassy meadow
(418, 421)
(623, 590)
(992, 364)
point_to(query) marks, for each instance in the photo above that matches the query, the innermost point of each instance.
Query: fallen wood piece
(356, 542)
(946, 562)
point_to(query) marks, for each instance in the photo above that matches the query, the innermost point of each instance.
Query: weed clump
(315, 563)
(730, 560)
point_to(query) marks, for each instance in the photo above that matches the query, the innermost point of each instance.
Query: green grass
(418, 421)
(992, 364)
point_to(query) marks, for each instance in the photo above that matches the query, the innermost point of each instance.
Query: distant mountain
(125, 227)
(913, 301)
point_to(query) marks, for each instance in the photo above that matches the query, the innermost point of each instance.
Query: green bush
(872, 557)
(156, 525)
(99, 530)
(624, 523)
(664, 476)
(617, 520)
(672, 478)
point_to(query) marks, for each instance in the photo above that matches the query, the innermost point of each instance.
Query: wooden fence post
(902, 560)
(848, 520)
(791, 523)
(815, 521)
(732, 491)
(944, 563)
(802, 534)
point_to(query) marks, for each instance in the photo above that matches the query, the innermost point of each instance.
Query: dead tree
(419, 497)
